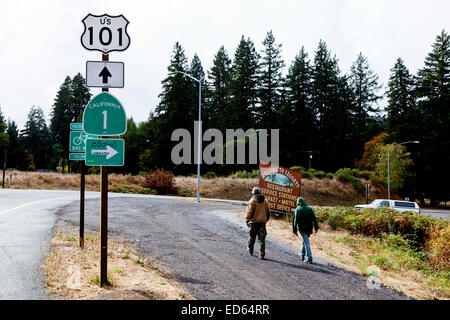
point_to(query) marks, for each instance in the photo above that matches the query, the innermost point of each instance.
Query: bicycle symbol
(77, 141)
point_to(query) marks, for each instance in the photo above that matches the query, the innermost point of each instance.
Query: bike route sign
(78, 141)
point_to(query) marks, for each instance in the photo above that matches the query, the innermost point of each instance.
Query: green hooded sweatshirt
(304, 218)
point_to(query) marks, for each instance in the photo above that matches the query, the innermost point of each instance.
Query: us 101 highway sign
(104, 74)
(105, 152)
(105, 33)
(104, 115)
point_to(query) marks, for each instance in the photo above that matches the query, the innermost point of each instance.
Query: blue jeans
(306, 248)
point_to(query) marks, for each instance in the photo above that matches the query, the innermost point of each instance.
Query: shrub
(417, 229)
(298, 168)
(306, 175)
(344, 177)
(365, 174)
(244, 174)
(330, 176)
(161, 181)
(438, 246)
(93, 170)
(357, 184)
(209, 175)
(319, 174)
(347, 171)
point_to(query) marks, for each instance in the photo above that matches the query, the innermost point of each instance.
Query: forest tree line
(320, 110)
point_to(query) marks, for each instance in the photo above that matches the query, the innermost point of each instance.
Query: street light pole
(199, 127)
(389, 177)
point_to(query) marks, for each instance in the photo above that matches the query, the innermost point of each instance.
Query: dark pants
(258, 229)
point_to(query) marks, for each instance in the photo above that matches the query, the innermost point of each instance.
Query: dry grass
(315, 191)
(72, 273)
(350, 255)
(58, 181)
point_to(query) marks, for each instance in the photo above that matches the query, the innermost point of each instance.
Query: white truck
(398, 205)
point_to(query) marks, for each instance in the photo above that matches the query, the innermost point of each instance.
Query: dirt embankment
(316, 191)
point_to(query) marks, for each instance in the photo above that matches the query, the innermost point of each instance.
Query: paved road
(437, 213)
(203, 246)
(27, 218)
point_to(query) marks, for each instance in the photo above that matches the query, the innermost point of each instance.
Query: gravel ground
(203, 247)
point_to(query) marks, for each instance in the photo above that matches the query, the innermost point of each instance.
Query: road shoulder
(72, 273)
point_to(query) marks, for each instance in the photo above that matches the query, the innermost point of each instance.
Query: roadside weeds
(352, 252)
(72, 273)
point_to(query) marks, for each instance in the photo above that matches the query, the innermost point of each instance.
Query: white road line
(29, 204)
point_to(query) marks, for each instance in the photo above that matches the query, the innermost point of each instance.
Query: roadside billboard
(280, 186)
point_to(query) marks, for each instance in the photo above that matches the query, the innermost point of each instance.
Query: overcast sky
(40, 40)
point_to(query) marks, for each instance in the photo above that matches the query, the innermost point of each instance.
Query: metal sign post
(78, 144)
(82, 184)
(367, 193)
(4, 170)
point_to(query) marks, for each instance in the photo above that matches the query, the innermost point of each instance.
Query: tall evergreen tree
(433, 91)
(196, 71)
(36, 137)
(175, 109)
(3, 135)
(270, 81)
(245, 70)
(401, 108)
(62, 116)
(331, 100)
(298, 110)
(16, 154)
(218, 102)
(72, 97)
(364, 85)
(80, 97)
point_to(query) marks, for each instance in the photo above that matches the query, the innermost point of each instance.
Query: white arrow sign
(104, 74)
(109, 152)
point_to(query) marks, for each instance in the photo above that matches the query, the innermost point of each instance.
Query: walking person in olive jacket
(258, 213)
(304, 221)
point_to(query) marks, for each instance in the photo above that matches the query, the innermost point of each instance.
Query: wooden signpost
(104, 115)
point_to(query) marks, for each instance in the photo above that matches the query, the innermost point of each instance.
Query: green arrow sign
(78, 139)
(76, 126)
(77, 156)
(104, 116)
(105, 152)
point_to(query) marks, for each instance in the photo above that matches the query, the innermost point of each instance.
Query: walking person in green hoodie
(304, 221)
(258, 213)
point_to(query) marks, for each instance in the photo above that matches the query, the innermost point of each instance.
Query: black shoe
(303, 258)
(309, 261)
(250, 251)
(261, 257)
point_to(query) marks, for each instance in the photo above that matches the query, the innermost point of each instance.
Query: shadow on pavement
(303, 266)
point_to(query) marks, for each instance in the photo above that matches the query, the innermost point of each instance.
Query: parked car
(398, 205)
